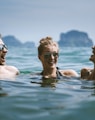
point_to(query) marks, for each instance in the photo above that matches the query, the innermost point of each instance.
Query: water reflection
(2, 93)
(89, 85)
(47, 82)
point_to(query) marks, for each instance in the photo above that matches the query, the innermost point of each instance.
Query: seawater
(69, 99)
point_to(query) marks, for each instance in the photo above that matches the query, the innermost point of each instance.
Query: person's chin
(2, 63)
(52, 66)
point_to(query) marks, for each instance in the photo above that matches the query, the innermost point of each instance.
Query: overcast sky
(31, 20)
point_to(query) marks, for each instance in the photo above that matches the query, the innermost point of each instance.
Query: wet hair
(44, 42)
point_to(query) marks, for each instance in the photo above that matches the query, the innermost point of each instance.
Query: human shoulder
(69, 72)
(12, 69)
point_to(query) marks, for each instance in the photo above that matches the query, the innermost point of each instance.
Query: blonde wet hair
(44, 42)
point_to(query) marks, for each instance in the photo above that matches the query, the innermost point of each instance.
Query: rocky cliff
(75, 38)
(13, 41)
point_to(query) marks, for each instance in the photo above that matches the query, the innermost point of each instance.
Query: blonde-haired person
(48, 53)
(6, 71)
(89, 73)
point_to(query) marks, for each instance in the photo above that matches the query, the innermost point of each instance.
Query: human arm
(69, 73)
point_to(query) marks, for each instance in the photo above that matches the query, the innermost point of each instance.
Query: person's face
(3, 51)
(49, 57)
(92, 57)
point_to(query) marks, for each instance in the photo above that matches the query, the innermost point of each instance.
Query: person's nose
(5, 50)
(51, 56)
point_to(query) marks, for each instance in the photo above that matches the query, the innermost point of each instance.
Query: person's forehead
(50, 48)
(1, 41)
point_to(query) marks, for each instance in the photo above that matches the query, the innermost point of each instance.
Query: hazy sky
(31, 20)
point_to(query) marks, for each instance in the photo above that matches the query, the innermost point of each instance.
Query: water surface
(68, 99)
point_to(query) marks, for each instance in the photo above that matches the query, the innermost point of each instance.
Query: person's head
(48, 51)
(3, 51)
(92, 57)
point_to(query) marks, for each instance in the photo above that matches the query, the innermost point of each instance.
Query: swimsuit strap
(58, 73)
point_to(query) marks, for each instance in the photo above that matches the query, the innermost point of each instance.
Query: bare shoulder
(85, 72)
(12, 69)
(69, 72)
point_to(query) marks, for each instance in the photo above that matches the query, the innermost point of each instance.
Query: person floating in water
(6, 71)
(88, 73)
(48, 53)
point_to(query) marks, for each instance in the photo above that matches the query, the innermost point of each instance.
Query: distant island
(75, 38)
(13, 41)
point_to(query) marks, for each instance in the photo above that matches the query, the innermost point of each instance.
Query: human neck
(49, 73)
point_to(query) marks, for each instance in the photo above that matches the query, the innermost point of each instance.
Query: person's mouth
(51, 63)
(3, 58)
